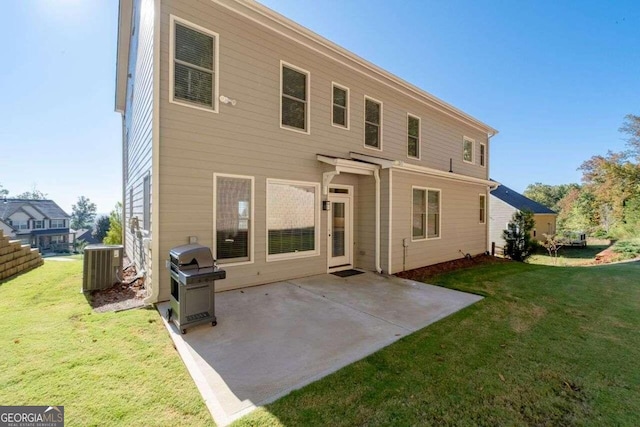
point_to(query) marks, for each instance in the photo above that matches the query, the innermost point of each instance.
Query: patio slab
(275, 338)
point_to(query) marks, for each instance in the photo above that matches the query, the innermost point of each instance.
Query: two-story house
(286, 154)
(39, 223)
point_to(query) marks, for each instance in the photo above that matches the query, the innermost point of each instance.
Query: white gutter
(376, 175)
(407, 167)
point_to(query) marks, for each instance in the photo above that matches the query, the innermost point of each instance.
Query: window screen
(340, 99)
(433, 216)
(413, 136)
(419, 213)
(294, 98)
(372, 123)
(233, 218)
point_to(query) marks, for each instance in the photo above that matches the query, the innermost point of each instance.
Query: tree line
(607, 202)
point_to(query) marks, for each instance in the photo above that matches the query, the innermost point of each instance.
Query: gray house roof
(48, 208)
(518, 201)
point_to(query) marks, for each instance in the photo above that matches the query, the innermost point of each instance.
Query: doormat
(347, 273)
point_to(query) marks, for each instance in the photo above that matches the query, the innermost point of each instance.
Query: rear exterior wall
(246, 139)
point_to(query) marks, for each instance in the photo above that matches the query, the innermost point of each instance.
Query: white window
(57, 239)
(433, 214)
(467, 149)
(419, 214)
(372, 123)
(293, 218)
(194, 69)
(483, 209)
(20, 225)
(233, 220)
(38, 224)
(294, 99)
(340, 111)
(413, 136)
(57, 223)
(146, 203)
(483, 154)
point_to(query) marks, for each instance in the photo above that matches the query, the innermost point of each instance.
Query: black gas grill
(193, 276)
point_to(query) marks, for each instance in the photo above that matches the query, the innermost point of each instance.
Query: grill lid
(191, 256)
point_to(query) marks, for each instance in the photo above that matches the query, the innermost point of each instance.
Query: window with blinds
(293, 100)
(292, 219)
(340, 112)
(194, 65)
(433, 214)
(233, 219)
(372, 123)
(483, 208)
(413, 136)
(419, 214)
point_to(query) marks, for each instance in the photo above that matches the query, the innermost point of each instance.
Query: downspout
(376, 175)
(124, 192)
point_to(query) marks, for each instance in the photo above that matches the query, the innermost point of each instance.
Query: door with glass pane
(340, 225)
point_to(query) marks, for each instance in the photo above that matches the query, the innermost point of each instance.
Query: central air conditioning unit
(102, 267)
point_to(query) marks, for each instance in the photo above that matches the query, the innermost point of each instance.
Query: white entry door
(340, 231)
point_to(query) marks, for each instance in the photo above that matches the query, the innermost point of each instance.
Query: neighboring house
(39, 223)
(86, 234)
(504, 202)
(286, 154)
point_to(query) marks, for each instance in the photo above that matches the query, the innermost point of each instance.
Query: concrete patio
(276, 338)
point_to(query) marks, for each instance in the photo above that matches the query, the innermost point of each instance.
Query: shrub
(517, 236)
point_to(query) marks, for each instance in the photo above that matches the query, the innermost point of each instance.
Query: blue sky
(555, 78)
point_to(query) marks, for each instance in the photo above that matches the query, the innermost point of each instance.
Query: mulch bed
(121, 296)
(430, 271)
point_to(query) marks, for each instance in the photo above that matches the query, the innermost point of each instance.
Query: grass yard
(106, 369)
(569, 255)
(547, 346)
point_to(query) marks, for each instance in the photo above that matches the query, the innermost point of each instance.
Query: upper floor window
(38, 224)
(194, 72)
(372, 123)
(467, 149)
(483, 154)
(57, 223)
(483, 209)
(20, 225)
(413, 136)
(340, 111)
(294, 108)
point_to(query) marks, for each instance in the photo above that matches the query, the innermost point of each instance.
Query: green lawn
(106, 369)
(547, 346)
(571, 256)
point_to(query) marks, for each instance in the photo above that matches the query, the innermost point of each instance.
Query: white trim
(214, 248)
(349, 242)
(466, 139)
(348, 59)
(364, 123)
(439, 213)
(216, 78)
(426, 212)
(155, 274)
(347, 108)
(485, 208)
(307, 119)
(390, 221)
(317, 208)
(482, 161)
(419, 136)
(422, 170)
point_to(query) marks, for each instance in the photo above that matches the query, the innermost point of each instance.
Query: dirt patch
(122, 296)
(423, 273)
(607, 256)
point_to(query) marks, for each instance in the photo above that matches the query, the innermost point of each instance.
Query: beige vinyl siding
(500, 213)
(138, 116)
(544, 223)
(460, 229)
(246, 139)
